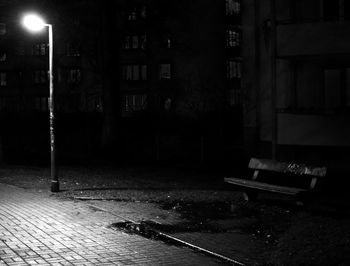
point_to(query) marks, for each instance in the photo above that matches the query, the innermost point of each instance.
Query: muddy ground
(200, 207)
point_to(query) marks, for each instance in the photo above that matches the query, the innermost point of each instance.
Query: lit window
(233, 38)
(3, 79)
(2, 28)
(234, 69)
(168, 43)
(74, 75)
(233, 7)
(165, 71)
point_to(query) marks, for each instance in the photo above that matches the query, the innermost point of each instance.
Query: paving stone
(38, 229)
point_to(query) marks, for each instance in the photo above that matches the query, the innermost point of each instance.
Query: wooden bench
(282, 169)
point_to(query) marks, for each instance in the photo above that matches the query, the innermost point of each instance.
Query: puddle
(145, 229)
(203, 211)
(154, 231)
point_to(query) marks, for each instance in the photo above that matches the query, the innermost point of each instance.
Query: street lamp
(35, 23)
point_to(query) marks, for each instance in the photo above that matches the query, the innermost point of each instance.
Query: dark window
(166, 41)
(3, 56)
(72, 49)
(234, 69)
(235, 97)
(331, 10)
(347, 10)
(94, 103)
(40, 49)
(134, 72)
(74, 76)
(135, 42)
(126, 43)
(136, 102)
(132, 14)
(165, 71)
(2, 29)
(143, 42)
(3, 79)
(19, 50)
(40, 76)
(41, 104)
(336, 88)
(143, 12)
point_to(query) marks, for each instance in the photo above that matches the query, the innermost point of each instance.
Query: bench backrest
(283, 167)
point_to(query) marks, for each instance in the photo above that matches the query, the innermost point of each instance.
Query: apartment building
(296, 78)
(175, 52)
(182, 63)
(172, 63)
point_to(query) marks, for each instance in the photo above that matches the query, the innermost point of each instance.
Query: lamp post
(35, 23)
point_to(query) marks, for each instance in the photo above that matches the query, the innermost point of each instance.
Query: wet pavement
(37, 228)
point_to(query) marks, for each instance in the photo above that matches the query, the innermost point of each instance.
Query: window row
(139, 72)
(15, 104)
(135, 102)
(42, 49)
(135, 42)
(328, 10)
(325, 90)
(136, 13)
(140, 41)
(72, 76)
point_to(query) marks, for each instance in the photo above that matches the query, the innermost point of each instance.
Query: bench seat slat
(282, 167)
(263, 186)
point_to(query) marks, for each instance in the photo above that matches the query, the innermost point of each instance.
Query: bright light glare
(33, 22)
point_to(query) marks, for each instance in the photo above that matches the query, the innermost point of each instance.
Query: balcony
(312, 39)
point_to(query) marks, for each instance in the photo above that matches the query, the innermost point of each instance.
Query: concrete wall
(314, 130)
(313, 38)
(304, 50)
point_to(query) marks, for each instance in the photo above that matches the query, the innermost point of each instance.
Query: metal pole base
(55, 187)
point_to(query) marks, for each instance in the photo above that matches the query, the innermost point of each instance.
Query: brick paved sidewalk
(36, 229)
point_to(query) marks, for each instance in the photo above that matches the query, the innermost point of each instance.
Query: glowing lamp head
(33, 22)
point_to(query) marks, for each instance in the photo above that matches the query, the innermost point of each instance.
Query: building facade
(296, 78)
(143, 70)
